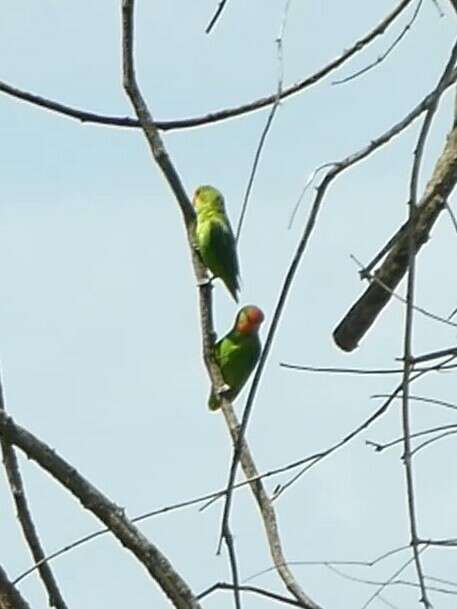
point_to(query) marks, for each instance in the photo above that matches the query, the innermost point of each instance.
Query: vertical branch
(365, 310)
(169, 172)
(25, 519)
(407, 349)
(267, 512)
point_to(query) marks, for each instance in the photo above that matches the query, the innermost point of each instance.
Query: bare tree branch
(364, 312)
(336, 169)
(346, 563)
(379, 412)
(220, 115)
(385, 584)
(269, 122)
(109, 513)
(362, 371)
(169, 172)
(10, 598)
(267, 512)
(386, 53)
(273, 472)
(215, 17)
(408, 337)
(254, 589)
(424, 399)
(378, 446)
(389, 581)
(365, 274)
(434, 355)
(25, 518)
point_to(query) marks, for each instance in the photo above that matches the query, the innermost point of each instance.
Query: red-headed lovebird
(215, 239)
(237, 352)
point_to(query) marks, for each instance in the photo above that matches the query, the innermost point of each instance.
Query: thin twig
(387, 603)
(254, 589)
(329, 370)
(378, 446)
(407, 344)
(451, 215)
(438, 8)
(346, 563)
(215, 17)
(386, 53)
(310, 179)
(365, 273)
(258, 152)
(383, 585)
(423, 399)
(219, 115)
(269, 122)
(432, 441)
(388, 583)
(24, 515)
(379, 412)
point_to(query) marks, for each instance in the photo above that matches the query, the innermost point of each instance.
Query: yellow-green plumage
(237, 353)
(215, 239)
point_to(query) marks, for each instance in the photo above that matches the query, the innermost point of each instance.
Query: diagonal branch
(364, 312)
(267, 512)
(25, 518)
(215, 17)
(105, 510)
(10, 598)
(331, 175)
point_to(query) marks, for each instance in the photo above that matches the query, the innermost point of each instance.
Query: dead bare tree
(396, 259)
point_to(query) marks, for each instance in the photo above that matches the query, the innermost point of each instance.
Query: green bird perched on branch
(237, 353)
(215, 239)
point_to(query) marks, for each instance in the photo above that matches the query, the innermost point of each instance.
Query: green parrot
(215, 239)
(237, 352)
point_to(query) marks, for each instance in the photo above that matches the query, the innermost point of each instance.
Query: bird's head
(249, 319)
(208, 196)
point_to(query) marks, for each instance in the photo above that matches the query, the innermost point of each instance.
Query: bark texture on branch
(267, 512)
(10, 598)
(364, 312)
(105, 510)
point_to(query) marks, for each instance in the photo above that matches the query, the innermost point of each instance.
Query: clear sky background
(100, 344)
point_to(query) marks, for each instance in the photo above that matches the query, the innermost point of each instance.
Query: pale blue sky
(100, 345)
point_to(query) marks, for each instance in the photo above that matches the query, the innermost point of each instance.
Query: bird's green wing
(219, 254)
